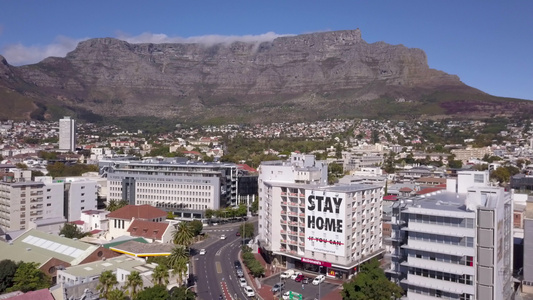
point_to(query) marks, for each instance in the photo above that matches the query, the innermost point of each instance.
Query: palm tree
(116, 294)
(107, 281)
(160, 274)
(177, 260)
(183, 234)
(133, 281)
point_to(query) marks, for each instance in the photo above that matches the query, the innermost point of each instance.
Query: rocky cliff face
(319, 72)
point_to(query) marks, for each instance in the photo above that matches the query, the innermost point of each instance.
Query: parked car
(296, 274)
(242, 282)
(240, 273)
(287, 274)
(249, 292)
(237, 264)
(306, 280)
(223, 237)
(202, 251)
(319, 279)
(299, 278)
(278, 287)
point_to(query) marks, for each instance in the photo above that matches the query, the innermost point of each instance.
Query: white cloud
(18, 54)
(209, 40)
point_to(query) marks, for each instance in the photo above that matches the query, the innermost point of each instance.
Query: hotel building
(454, 244)
(308, 225)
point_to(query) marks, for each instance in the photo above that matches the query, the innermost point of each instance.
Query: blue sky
(488, 44)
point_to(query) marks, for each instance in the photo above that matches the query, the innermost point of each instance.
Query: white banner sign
(325, 222)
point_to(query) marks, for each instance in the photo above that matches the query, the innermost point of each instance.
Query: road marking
(218, 252)
(219, 267)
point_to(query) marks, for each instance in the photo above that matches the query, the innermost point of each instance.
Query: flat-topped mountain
(293, 78)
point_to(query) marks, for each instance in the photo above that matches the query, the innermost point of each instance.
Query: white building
(455, 244)
(185, 188)
(67, 134)
(308, 225)
(94, 220)
(77, 194)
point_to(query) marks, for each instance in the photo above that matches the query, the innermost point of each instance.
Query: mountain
(293, 78)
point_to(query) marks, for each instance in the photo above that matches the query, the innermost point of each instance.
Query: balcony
(283, 221)
(293, 204)
(302, 195)
(292, 213)
(301, 205)
(283, 212)
(301, 233)
(293, 194)
(293, 233)
(291, 242)
(284, 193)
(283, 202)
(283, 231)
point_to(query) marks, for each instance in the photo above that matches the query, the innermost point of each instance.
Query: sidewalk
(265, 291)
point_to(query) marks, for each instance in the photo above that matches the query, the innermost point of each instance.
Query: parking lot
(309, 291)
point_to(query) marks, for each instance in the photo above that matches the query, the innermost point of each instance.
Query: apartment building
(308, 225)
(24, 201)
(183, 187)
(454, 244)
(67, 134)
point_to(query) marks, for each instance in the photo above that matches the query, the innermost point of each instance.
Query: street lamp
(319, 273)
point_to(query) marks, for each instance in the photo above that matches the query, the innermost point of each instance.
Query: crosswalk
(218, 230)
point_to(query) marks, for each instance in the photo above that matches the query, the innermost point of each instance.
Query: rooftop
(37, 246)
(129, 212)
(139, 249)
(147, 229)
(97, 267)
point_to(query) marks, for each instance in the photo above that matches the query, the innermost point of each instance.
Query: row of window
(171, 198)
(174, 192)
(462, 279)
(442, 239)
(451, 259)
(439, 293)
(444, 221)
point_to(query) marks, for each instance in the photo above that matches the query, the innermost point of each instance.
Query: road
(216, 268)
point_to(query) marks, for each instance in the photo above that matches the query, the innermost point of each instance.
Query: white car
(293, 276)
(319, 279)
(249, 292)
(242, 282)
(223, 237)
(202, 251)
(286, 274)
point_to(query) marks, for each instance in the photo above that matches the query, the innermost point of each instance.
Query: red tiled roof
(406, 189)
(428, 190)
(390, 198)
(246, 168)
(78, 222)
(129, 212)
(43, 294)
(95, 231)
(147, 229)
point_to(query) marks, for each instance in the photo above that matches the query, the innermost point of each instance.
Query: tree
(170, 215)
(114, 205)
(160, 274)
(183, 235)
(370, 283)
(157, 292)
(209, 213)
(181, 293)
(133, 281)
(106, 281)
(255, 206)
(455, 164)
(197, 226)
(28, 277)
(21, 166)
(36, 173)
(116, 294)
(71, 231)
(8, 268)
(178, 260)
(247, 230)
